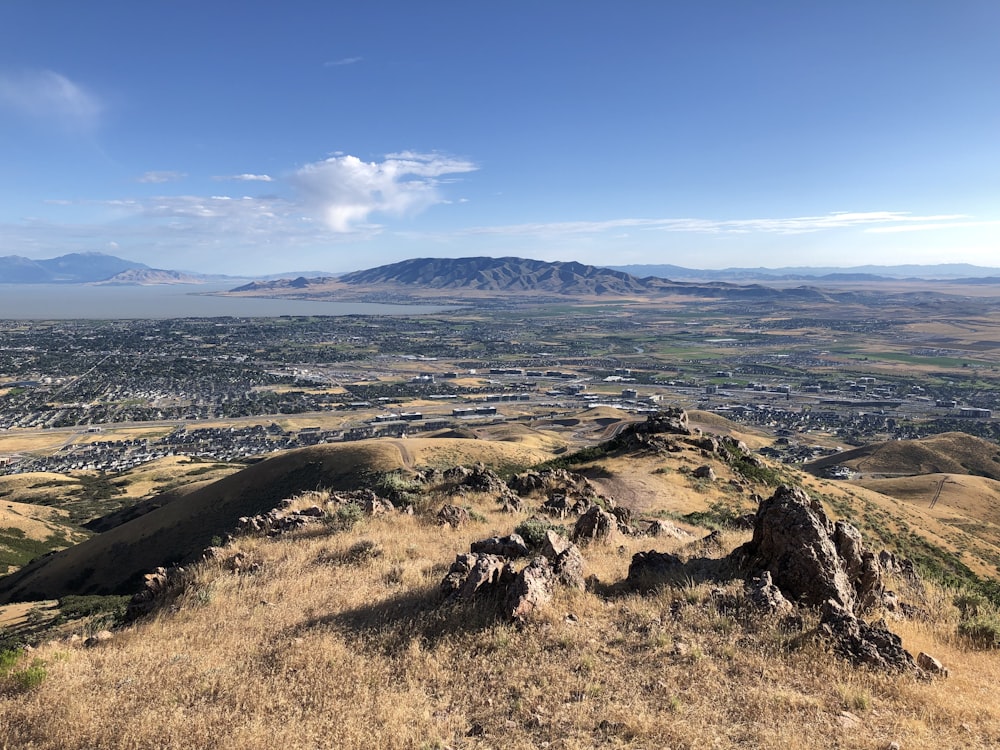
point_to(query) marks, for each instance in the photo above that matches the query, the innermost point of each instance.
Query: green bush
(533, 531)
(982, 630)
(346, 516)
(17, 680)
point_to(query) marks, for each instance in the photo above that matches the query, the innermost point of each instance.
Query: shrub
(982, 630)
(533, 531)
(346, 516)
(19, 680)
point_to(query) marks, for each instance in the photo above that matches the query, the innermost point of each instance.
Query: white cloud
(342, 61)
(50, 96)
(344, 190)
(248, 177)
(871, 221)
(931, 225)
(161, 176)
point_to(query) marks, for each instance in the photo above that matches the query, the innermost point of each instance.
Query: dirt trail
(404, 453)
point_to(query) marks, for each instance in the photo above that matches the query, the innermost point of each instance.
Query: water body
(81, 302)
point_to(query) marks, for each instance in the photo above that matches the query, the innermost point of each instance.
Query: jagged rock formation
(520, 592)
(797, 557)
(809, 558)
(595, 525)
(452, 515)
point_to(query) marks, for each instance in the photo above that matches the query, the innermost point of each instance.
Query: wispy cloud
(869, 221)
(157, 177)
(345, 191)
(927, 225)
(342, 61)
(247, 177)
(49, 96)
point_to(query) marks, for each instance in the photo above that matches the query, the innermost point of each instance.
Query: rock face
(530, 589)
(871, 645)
(810, 559)
(452, 515)
(520, 592)
(511, 546)
(595, 525)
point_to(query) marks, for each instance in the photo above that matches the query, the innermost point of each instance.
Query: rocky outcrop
(511, 546)
(810, 559)
(472, 574)
(872, 645)
(529, 590)
(550, 481)
(157, 586)
(560, 506)
(594, 525)
(452, 515)
(520, 592)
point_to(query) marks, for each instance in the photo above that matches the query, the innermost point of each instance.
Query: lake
(77, 301)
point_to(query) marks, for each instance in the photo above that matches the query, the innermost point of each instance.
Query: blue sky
(260, 137)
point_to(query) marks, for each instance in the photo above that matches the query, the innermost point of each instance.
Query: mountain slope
(947, 453)
(74, 268)
(184, 525)
(501, 274)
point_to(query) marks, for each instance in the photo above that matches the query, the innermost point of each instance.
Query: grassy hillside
(337, 639)
(950, 452)
(183, 524)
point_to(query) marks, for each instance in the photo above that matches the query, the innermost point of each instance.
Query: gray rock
(473, 574)
(595, 525)
(510, 546)
(872, 645)
(531, 589)
(810, 559)
(649, 569)
(765, 596)
(704, 472)
(931, 665)
(568, 566)
(452, 515)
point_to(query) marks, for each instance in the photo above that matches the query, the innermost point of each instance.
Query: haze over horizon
(258, 138)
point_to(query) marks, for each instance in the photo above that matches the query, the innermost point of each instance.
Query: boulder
(510, 546)
(664, 528)
(930, 665)
(568, 566)
(530, 589)
(452, 515)
(765, 596)
(555, 544)
(872, 645)
(704, 472)
(595, 525)
(810, 559)
(101, 636)
(472, 574)
(649, 569)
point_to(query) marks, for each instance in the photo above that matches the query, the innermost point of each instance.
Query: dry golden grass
(324, 647)
(27, 441)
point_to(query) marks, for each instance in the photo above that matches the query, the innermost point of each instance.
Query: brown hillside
(948, 453)
(115, 561)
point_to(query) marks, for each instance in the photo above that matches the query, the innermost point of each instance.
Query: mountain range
(482, 273)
